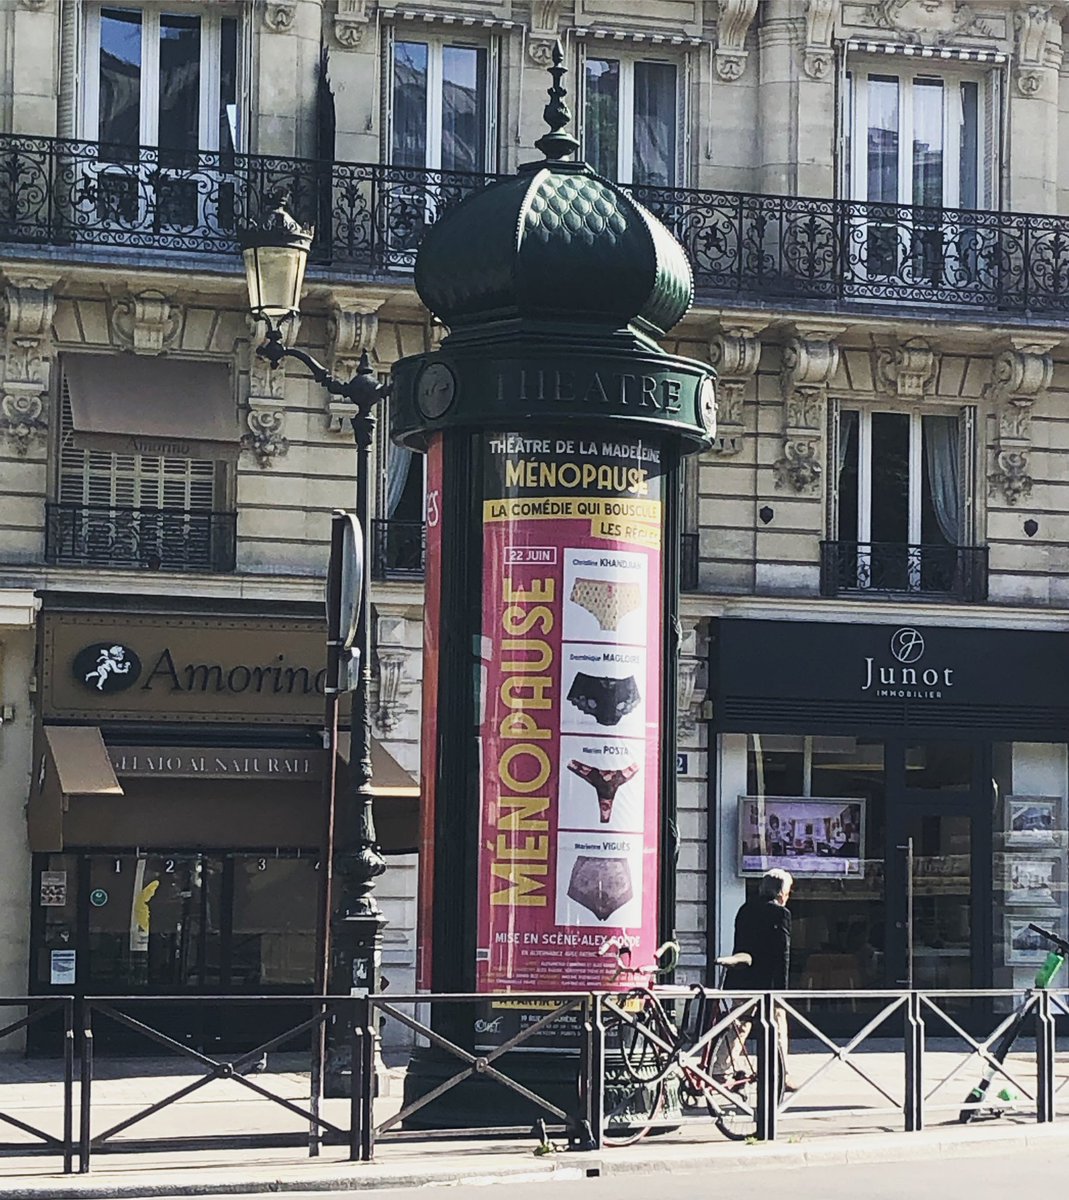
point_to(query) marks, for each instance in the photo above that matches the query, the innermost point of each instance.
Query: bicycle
(1052, 964)
(694, 1061)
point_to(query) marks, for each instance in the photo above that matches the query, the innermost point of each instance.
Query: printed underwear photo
(607, 601)
(605, 783)
(606, 700)
(600, 884)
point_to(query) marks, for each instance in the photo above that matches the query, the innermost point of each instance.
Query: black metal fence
(907, 1083)
(372, 217)
(156, 539)
(901, 570)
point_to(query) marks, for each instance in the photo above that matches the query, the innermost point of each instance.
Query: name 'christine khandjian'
(907, 677)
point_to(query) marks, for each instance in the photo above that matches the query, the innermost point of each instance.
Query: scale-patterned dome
(559, 242)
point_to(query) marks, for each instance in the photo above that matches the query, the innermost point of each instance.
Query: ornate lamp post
(275, 252)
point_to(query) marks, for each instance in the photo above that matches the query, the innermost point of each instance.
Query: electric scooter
(1052, 964)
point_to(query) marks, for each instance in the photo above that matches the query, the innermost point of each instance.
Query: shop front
(912, 778)
(177, 810)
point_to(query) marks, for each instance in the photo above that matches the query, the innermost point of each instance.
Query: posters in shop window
(570, 708)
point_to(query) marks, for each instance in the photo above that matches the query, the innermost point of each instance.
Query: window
(917, 139)
(167, 81)
(157, 78)
(922, 140)
(399, 537)
(901, 500)
(440, 106)
(630, 119)
(159, 511)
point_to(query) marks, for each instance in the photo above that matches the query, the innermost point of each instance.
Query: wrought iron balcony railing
(61, 192)
(154, 539)
(898, 569)
(371, 218)
(397, 549)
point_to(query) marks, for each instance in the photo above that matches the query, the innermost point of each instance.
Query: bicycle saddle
(734, 960)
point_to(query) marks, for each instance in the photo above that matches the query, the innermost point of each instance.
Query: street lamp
(275, 251)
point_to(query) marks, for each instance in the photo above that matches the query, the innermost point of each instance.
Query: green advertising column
(554, 425)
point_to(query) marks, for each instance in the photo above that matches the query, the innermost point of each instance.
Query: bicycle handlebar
(1062, 945)
(665, 958)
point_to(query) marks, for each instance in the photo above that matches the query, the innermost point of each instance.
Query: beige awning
(126, 401)
(388, 777)
(69, 760)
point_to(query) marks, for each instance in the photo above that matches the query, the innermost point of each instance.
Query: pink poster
(571, 700)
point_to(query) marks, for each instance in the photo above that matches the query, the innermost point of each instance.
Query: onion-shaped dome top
(554, 242)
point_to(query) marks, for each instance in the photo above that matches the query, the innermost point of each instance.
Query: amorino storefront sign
(210, 669)
(817, 677)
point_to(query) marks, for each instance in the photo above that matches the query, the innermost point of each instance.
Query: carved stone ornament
(279, 15)
(267, 384)
(818, 55)
(34, 5)
(22, 419)
(352, 327)
(351, 22)
(1018, 376)
(391, 653)
(1039, 48)
(29, 304)
(147, 323)
(907, 370)
(688, 697)
(545, 17)
(733, 25)
(929, 21)
(810, 359)
(265, 438)
(735, 351)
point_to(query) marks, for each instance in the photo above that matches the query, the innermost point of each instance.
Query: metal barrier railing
(39, 1009)
(940, 1043)
(324, 1010)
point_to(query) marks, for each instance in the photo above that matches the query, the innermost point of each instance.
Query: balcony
(397, 550)
(745, 248)
(894, 570)
(152, 539)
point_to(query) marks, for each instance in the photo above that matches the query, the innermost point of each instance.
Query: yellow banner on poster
(572, 508)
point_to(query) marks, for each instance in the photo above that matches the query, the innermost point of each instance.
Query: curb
(852, 1148)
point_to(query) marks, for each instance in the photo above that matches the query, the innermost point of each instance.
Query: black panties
(605, 783)
(600, 884)
(605, 699)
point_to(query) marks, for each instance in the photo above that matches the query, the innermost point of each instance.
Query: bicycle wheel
(631, 1113)
(644, 1059)
(735, 1113)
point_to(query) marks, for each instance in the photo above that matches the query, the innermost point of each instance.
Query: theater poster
(570, 708)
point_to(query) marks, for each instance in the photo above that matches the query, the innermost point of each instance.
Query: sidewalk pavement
(837, 1116)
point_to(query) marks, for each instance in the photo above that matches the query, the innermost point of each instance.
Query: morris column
(554, 426)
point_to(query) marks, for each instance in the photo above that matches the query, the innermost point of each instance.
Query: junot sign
(916, 681)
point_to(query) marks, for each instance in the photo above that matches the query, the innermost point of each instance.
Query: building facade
(876, 572)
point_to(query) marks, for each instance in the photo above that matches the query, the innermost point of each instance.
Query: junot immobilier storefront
(913, 778)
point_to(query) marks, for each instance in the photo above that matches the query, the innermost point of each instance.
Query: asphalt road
(979, 1176)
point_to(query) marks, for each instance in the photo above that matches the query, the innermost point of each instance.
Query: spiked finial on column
(556, 145)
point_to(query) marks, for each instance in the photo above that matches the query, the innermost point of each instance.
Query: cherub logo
(107, 667)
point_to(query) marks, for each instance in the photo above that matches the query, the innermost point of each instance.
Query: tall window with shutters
(157, 511)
